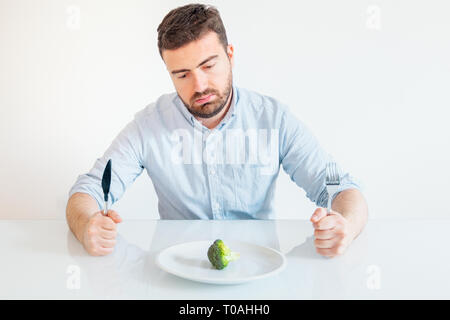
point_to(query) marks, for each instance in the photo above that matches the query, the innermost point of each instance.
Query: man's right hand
(99, 236)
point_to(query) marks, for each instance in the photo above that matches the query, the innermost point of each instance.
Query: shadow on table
(341, 277)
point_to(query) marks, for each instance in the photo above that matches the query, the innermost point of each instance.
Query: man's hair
(188, 23)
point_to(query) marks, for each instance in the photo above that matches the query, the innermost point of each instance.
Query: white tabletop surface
(391, 259)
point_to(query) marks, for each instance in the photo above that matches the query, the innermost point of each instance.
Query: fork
(332, 182)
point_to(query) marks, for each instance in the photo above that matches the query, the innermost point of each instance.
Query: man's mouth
(205, 99)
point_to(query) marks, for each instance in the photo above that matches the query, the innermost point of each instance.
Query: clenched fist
(332, 232)
(99, 236)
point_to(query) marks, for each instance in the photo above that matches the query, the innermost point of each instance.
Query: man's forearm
(79, 209)
(353, 206)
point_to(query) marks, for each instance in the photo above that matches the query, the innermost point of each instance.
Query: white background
(371, 79)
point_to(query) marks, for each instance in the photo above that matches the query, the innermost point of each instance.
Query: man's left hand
(332, 232)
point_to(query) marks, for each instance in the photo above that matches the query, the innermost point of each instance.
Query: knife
(106, 184)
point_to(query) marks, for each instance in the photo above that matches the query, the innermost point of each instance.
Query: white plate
(190, 261)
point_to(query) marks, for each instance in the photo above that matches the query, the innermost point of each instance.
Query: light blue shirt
(228, 172)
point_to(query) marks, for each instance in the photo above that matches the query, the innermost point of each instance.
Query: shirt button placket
(213, 180)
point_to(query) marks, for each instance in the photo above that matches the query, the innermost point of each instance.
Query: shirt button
(212, 171)
(216, 206)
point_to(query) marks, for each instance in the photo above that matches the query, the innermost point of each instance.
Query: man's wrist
(352, 206)
(354, 226)
(81, 227)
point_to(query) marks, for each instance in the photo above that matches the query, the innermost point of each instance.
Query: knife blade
(106, 184)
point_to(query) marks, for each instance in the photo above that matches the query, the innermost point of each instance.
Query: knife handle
(106, 209)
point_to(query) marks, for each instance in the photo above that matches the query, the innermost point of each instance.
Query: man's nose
(200, 82)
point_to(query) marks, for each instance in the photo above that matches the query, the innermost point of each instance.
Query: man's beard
(211, 108)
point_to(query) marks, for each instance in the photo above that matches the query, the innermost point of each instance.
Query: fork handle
(329, 204)
(331, 189)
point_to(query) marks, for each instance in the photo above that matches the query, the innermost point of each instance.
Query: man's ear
(230, 54)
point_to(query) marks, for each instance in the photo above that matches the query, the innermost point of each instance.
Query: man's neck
(213, 122)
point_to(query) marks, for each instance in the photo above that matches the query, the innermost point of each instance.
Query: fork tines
(332, 177)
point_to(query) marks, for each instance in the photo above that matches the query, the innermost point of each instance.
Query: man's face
(200, 69)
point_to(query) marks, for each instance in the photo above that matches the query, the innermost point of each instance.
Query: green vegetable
(220, 255)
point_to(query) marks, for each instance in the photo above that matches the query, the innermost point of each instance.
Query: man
(212, 150)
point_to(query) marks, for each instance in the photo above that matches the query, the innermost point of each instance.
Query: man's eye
(209, 67)
(183, 76)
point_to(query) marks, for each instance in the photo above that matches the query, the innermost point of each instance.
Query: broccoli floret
(220, 255)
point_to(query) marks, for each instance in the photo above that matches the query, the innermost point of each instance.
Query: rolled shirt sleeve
(304, 160)
(125, 153)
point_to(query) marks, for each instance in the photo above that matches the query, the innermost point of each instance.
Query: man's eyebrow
(202, 63)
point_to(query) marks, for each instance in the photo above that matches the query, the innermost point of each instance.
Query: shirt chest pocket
(249, 184)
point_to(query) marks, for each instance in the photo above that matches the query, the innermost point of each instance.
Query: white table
(391, 259)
